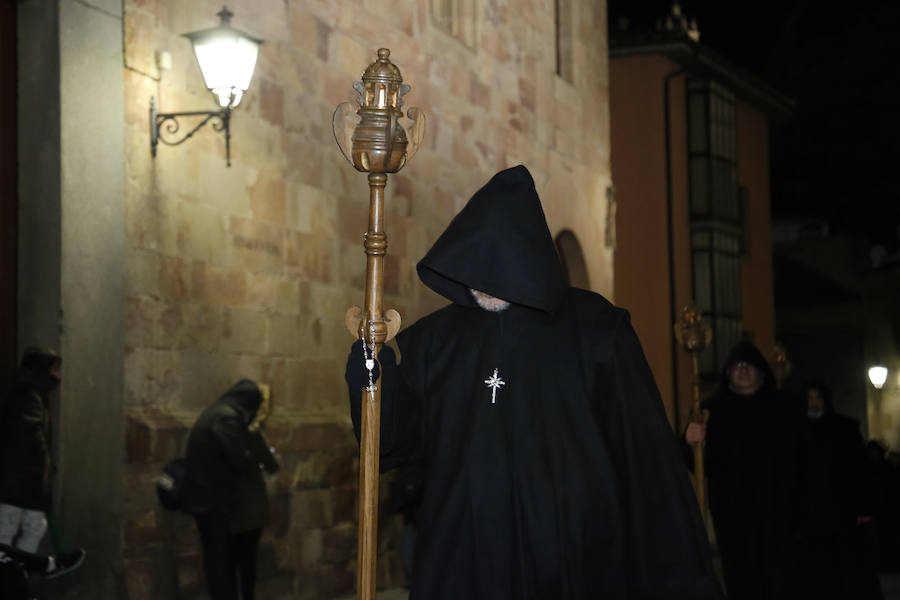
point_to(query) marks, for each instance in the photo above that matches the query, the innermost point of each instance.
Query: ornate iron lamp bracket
(166, 124)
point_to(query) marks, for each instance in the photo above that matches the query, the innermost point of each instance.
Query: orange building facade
(690, 165)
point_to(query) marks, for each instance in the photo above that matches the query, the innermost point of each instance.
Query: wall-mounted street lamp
(227, 58)
(877, 376)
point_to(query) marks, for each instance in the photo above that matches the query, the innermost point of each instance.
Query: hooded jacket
(551, 469)
(223, 458)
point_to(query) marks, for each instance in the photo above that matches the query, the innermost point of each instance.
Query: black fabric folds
(567, 482)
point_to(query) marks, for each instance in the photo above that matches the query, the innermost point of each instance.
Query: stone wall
(247, 270)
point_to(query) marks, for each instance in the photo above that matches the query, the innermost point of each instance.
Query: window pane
(701, 238)
(702, 281)
(698, 121)
(699, 190)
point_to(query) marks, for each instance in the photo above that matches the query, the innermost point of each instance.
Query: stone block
(314, 384)
(138, 443)
(325, 581)
(150, 221)
(351, 57)
(286, 335)
(191, 581)
(324, 469)
(311, 547)
(310, 209)
(301, 75)
(267, 197)
(352, 266)
(140, 316)
(202, 326)
(280, 587)
(287, 296)
(203, 376)
(479, 93)
(141, 530)
(153, 436)
(150, 577)
(310, 256)
(271, 96)
(173, 279)
(255, 246)
(279, 514)
(152, 377)
(201, 229)
(312, 509)
(261, 290)
(304, 158)
(339, 544)
(244, 330)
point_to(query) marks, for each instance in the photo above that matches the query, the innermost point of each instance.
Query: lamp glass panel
(878, 375)
(227, 60)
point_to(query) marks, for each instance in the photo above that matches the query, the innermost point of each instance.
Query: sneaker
(66, 563)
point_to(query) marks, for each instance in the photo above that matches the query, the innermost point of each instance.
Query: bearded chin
(489, 303)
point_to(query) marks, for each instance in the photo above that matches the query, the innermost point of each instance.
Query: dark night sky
(840, 62)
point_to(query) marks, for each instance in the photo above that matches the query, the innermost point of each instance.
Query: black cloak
(567, 482)
(751, 453)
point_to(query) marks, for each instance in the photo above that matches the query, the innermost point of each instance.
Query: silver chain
(369, 357)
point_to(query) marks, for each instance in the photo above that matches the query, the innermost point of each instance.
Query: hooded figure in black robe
(833, 559)
(751, 454)
(552, 472)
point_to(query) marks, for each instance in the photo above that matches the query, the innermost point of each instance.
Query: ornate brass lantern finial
(691, 331)
(781, 364)
(373, 140)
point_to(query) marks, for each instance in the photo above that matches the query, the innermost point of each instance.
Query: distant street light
(878, 375)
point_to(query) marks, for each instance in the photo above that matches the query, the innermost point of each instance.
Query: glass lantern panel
(227, 60)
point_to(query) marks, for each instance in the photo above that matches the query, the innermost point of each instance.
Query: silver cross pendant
(494, 383)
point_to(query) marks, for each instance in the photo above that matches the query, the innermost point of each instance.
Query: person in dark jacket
(551, 470)
(25, 450)
(751, 457)
(224, 487)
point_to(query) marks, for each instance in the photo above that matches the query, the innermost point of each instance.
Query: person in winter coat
(25, 450)
(751, 457)
(551, 470)
(224, 487)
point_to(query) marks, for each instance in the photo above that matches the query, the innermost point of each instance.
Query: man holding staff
(552, 472)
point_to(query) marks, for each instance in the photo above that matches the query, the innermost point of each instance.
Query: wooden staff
(376, 143)
(693, 336)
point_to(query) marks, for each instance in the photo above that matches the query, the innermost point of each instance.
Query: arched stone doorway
(572, 259)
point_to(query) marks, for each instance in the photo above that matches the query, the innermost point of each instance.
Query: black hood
(499, 244)
(824, 390)
(245, 397)
(745, 351)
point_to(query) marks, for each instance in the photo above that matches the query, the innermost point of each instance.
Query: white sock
(51, 564)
